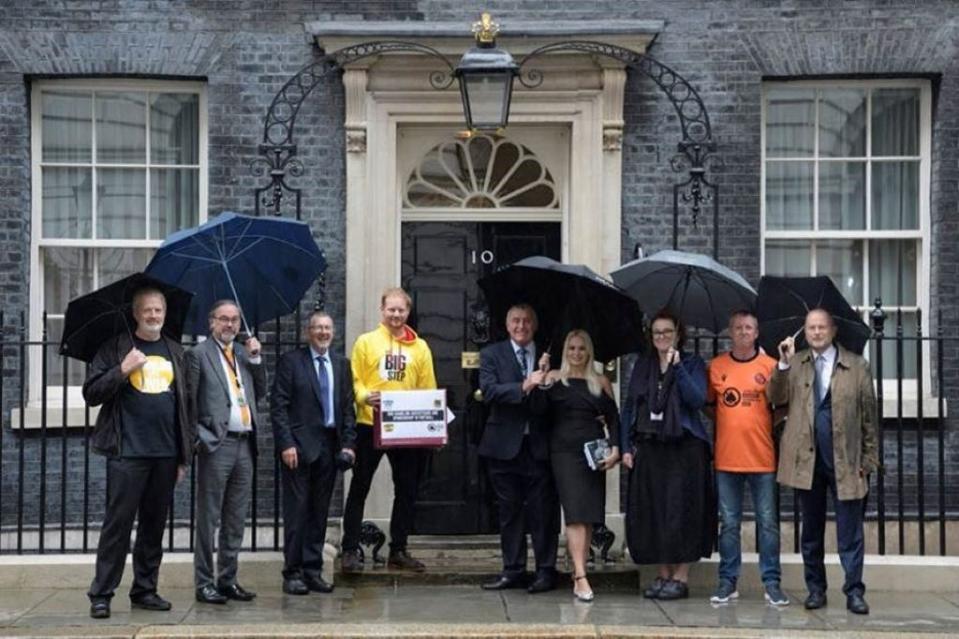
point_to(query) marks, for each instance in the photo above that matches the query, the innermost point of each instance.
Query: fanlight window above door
(481, 172)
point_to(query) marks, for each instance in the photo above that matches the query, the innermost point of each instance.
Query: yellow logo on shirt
(156, 376)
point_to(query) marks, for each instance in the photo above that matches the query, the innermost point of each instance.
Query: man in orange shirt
(745, 453)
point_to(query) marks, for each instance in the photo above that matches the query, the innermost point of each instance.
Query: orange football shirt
(744, 425)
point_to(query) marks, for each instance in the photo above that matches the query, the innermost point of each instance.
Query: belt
(237, 434)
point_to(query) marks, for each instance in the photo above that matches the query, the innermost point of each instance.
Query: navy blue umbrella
(266, 264)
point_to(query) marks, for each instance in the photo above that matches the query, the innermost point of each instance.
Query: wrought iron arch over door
(695, 150)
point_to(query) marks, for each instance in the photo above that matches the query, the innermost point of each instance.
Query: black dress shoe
(237, 592)
(100, 609)
(209, 594)
(295, 586)
(503, 582)
(815, 600)
(855, 603)
(150, 601)
(542, 583)
(318, 584)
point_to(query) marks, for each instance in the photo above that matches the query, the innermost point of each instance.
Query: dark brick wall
(246, 49)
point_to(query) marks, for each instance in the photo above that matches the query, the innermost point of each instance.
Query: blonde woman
(578, 403)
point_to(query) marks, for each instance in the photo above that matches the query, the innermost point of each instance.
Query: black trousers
(306, 504)
(526, 499)
(407, 466)
(139, 488)
(850, 539)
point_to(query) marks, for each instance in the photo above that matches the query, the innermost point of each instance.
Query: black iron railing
(51, 485)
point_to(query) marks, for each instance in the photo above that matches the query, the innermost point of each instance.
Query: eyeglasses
(664, 333)
(227, 320)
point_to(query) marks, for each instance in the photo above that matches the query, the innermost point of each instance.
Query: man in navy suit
(517, 455)
(313, 422)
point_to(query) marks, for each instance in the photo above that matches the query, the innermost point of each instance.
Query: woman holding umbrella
(671, 509)
(580, 406)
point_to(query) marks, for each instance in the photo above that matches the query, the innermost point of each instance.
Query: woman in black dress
(578, 403)
(670, 504)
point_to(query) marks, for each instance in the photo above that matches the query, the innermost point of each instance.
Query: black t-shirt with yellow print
(148, 405)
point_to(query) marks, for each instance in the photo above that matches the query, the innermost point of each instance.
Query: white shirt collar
(828, 355)
(529, 347)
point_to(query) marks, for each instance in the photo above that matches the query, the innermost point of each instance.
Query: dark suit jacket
(209, 389)
(501, 381)
(297, 412)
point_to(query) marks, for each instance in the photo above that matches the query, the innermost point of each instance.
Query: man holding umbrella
(225, 385)
(516, 449)
(145, 430)
(828, 445)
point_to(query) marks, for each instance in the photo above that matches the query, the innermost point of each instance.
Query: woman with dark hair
(671, 505)
(579, 403)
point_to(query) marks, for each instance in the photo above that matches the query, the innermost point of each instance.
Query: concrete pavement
(408, 610)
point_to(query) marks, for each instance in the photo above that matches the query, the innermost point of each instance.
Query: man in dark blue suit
(517, 455)
(314, 421)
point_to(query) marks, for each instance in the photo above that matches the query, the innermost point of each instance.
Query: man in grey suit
(224, 384)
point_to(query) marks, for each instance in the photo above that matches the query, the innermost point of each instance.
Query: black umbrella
(567, 296)
(95, 317)
(784, 302)
(700, 291)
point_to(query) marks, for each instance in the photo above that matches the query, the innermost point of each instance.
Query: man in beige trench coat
(828, 445)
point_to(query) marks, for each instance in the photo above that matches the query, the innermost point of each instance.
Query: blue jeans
(763, 489)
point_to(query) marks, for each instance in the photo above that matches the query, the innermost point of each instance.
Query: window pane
(890, 359)
(121, 128)
(121, 204)
(790, 122)
(895, 122)
(892, 271)
(67, 273)
(842, 261)
(842, 123)
(842, 195)
(790, 259)
(175, 128)
(67, 130)
(789, 195)
(67, 203)
(174, 200)
(115, 264)
(895, 195)
(76, 370)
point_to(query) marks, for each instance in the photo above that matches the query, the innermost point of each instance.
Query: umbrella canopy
(95, 317)
(784, 302)
(700, 291)
(266, 264)
(567, 296)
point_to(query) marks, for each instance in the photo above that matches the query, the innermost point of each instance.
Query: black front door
(441, 263)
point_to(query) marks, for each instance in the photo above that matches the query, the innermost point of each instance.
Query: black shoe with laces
(150, 601)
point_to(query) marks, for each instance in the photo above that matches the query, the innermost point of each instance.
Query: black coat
(501, 381)
(105, 381)
(295, 408)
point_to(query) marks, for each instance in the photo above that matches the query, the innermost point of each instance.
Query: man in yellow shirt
(390, 357)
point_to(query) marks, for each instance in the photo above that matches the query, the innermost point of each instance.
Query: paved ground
(458, 610)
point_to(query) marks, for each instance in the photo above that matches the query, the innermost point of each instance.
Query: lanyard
(231, 362)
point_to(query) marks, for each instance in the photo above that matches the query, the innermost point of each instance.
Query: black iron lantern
(485, 74)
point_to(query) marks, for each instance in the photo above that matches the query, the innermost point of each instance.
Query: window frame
(37, 277)
(921, 235)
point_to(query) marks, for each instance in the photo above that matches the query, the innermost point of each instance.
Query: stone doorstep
(262, 570)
